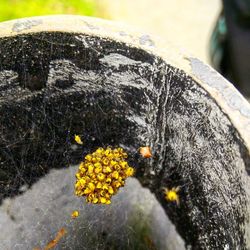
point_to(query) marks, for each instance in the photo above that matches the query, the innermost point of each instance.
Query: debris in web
(55, 241)
(145, 152)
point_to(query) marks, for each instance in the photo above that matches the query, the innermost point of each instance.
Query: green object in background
(12, 9)
(217, 44)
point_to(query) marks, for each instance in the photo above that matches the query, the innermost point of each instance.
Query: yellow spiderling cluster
(101, 174)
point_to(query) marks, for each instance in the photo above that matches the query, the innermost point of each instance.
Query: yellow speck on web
(75, 214)
(78, 139)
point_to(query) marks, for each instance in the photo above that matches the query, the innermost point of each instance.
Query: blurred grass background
(12, 9)
(185, 23)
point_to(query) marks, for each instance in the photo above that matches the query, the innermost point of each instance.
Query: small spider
(78, 139)
(171, 195)
(74, 214)
(145, 152)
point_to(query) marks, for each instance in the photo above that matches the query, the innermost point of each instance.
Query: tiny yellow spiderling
(172, 195)
(78, 139)
(75, 214)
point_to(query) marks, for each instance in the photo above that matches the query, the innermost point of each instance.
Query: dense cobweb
(163, 109)
(32, 219)
(134, 219)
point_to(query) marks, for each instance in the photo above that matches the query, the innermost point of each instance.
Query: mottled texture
(25, 24)
(55, 85)
(213, 79)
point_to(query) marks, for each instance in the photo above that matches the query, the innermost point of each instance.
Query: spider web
(134, 220)
(115, 96)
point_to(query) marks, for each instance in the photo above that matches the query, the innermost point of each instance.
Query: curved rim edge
(224, 93)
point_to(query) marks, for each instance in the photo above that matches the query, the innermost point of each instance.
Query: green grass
(12, 9)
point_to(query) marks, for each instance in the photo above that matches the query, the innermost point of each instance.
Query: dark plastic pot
(66, 75)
